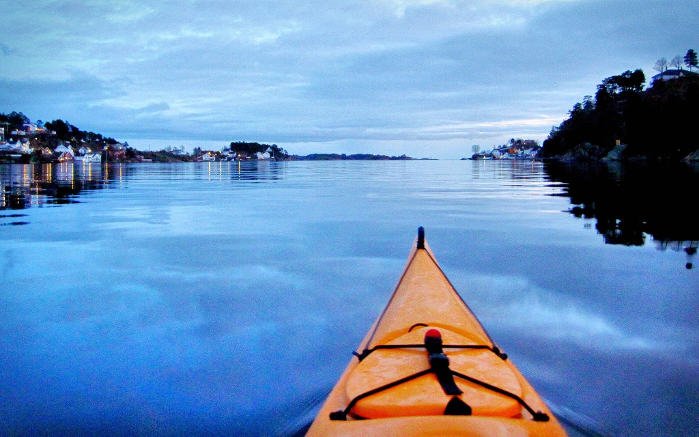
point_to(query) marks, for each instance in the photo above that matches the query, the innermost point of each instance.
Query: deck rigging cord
(439, 365)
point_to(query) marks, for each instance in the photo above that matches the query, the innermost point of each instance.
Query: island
(624, 121)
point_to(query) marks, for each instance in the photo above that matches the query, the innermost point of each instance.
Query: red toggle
(433, 333)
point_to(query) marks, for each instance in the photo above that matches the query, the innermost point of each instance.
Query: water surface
(226, 298)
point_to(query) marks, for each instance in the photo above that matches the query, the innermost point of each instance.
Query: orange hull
(428, 368)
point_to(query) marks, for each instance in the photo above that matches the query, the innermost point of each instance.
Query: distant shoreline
(352, 157)
(165, 157)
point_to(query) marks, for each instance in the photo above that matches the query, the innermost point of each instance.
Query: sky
(426, 78)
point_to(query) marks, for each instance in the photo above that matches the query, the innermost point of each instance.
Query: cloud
(401, 6)
(313, 71)
(56, 98)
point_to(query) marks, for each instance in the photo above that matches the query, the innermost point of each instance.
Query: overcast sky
(429, 78)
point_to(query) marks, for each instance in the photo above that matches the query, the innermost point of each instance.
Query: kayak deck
(428, 367)
(423, 395)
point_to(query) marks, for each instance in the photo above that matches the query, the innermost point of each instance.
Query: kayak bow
(428, 367)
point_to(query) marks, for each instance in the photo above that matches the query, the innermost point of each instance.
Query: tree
(475, 149)
(278, 152)
(677, 62)
(654, 123)
(627, 81)
(14, 120)
(661, 65)
(63, 129)
(247, 149)
(690, 59)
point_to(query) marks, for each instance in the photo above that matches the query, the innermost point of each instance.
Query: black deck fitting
(420, 237)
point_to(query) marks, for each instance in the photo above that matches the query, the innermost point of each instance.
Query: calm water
(205, 299)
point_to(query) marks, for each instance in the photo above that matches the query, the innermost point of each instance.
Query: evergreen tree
(690, 59)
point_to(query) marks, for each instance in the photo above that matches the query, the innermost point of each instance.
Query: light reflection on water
(225, 298)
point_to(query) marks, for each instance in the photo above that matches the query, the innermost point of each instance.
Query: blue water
(226, 298)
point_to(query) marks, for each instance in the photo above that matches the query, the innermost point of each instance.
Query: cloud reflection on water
(513, 304)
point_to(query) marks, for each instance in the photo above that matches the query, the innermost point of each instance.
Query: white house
(64, 149)
(266, 154)
(529, 153)
(208, 156)
(18, 147)
(23, 147)
(671, 74)
(89, 157)
(31, 127)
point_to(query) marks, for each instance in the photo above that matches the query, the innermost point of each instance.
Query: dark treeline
(658, 122)
(246, 149)
(67, 132)
(64, 131)
(14, 120)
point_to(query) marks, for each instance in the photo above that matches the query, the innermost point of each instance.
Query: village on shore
(25, 142)
(38, 143)
(516, 149)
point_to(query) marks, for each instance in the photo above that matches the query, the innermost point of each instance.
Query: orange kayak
(428, 368)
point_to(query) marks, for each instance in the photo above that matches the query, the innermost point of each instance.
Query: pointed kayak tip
(420, 238)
